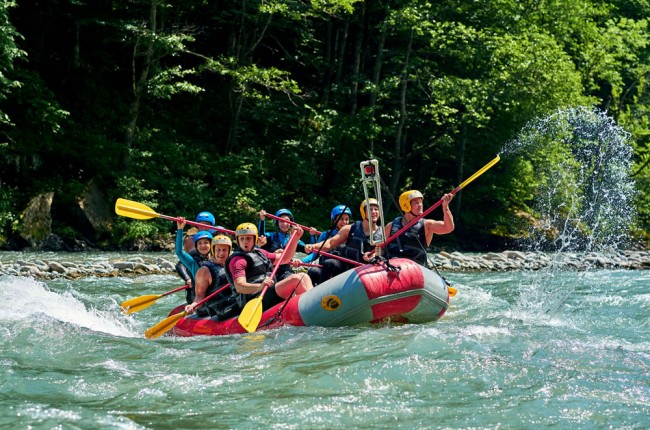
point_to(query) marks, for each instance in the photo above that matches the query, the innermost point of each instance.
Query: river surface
(515, 350)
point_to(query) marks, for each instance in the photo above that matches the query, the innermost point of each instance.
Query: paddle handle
(277, 218)
(439, 202)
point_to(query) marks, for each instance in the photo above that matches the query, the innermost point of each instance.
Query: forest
(237, 106)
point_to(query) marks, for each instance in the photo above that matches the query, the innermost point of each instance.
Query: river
(515, 350)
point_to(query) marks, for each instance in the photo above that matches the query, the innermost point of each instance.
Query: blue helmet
(340, 209)
(202, 235)
(280, 213)
(205, 217)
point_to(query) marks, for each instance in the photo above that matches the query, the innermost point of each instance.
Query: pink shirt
(238, 264)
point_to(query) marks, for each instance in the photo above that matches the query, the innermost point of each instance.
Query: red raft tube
(366, 294)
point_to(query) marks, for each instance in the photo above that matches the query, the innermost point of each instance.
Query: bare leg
(298, 282)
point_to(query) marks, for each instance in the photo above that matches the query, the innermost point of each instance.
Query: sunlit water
(71, 359)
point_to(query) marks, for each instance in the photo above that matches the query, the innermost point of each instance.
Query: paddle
(138, 303)
(252, 313)
(338, 257)
(277, 218)
(439, 202)
(137, 210)
(168, 323)
(309, 265)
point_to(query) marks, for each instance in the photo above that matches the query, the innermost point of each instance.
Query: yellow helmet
(222, 240)
(245, 229)
(362, 208)
(406, 197)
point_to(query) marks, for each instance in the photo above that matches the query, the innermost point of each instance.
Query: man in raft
(356, 237)
(413, 243)
(249, 269)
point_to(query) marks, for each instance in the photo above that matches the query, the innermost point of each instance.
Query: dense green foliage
(237, 106)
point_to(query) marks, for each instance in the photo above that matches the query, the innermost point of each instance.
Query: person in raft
(277, 240)
(210, 277)
(340, 217)
(413, 243)
(249, 270)
(191, 263)
(188, 245)
(355, 237)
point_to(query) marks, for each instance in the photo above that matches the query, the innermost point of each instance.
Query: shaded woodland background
(236, 106)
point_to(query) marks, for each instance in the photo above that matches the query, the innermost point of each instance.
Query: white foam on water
(26, 298)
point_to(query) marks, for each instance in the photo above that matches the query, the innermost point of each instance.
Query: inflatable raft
(366, 294)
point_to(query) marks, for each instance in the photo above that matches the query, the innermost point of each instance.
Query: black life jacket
(258, 267)
(278, 241)
(335, 251)
(358, 243)
(216, 306)
(411, 244)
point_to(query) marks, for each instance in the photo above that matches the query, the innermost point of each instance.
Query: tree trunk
(376, 73)
(139, 84)
(341, 55)
(242, 47)
(357, 60)
(401, 132)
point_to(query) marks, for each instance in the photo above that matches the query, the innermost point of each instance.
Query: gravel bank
(446, 261)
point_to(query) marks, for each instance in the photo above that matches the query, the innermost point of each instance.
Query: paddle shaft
(168, 323)
(277, 218)
(338, 257)
(258, 299)
(310, 265)
(439, 202)
(152, 213)
(277, 266)
(211, 295)
(184, 287)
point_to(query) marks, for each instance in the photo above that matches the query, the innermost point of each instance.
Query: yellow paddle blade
(452, 291)
(138, 303)
(134, 210)
(480, 172)
(163, 326)
(251, 315)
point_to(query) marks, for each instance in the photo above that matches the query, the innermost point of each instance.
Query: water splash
(31, 299)
(583, 195)
(581, 160)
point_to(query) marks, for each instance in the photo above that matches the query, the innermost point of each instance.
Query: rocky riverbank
(446, 261)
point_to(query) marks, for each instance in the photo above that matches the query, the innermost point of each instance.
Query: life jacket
(411, 244)
(218, 305)
(358, 243)
(334, 251)
(278, 240)
(258, 267)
